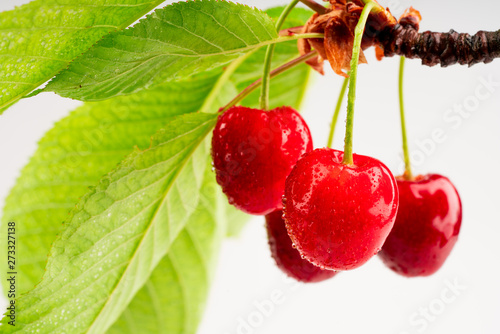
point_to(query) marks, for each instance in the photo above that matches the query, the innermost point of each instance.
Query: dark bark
(440, 48)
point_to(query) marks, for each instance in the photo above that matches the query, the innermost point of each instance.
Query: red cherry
(339, 215)
(288, 258)
(426, 228)
(253, 153)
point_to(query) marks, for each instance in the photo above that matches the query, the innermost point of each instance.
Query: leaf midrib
(244, 49)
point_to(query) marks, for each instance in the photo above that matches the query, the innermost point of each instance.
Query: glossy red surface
(426, 228)
(254, 151)
(288, 258)
(337, 215)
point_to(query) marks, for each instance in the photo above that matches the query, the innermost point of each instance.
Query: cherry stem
(266, 77)
(337, 111)
(358, 35)
(377, 7)
(408, 174)
(256, 84)
(318, 8)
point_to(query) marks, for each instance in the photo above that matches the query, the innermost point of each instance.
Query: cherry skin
(254, 151)
(426, 228)
(288, 258)
(338, 215)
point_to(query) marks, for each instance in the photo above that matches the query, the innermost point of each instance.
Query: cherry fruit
(254, 151)
(426, 228)
(339, 215)
(288, 258)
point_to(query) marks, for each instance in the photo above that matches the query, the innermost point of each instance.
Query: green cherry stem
(377, 7)
(266, 76)
(358, 35)
(337, 111)
(256, 84)
(408, 174)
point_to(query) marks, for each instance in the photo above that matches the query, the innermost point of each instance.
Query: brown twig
(318, 8)
(441, 48)
(398, 37)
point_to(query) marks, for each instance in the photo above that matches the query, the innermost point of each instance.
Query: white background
(371, 299)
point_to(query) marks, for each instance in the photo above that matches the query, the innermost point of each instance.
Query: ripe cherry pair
(336, 215)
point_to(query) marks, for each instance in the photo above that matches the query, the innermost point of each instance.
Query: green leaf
(119, 232)
(39, 39)
(85, 146)
(90, 142)
(170, 44)
(76, 153)
(93, 139)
